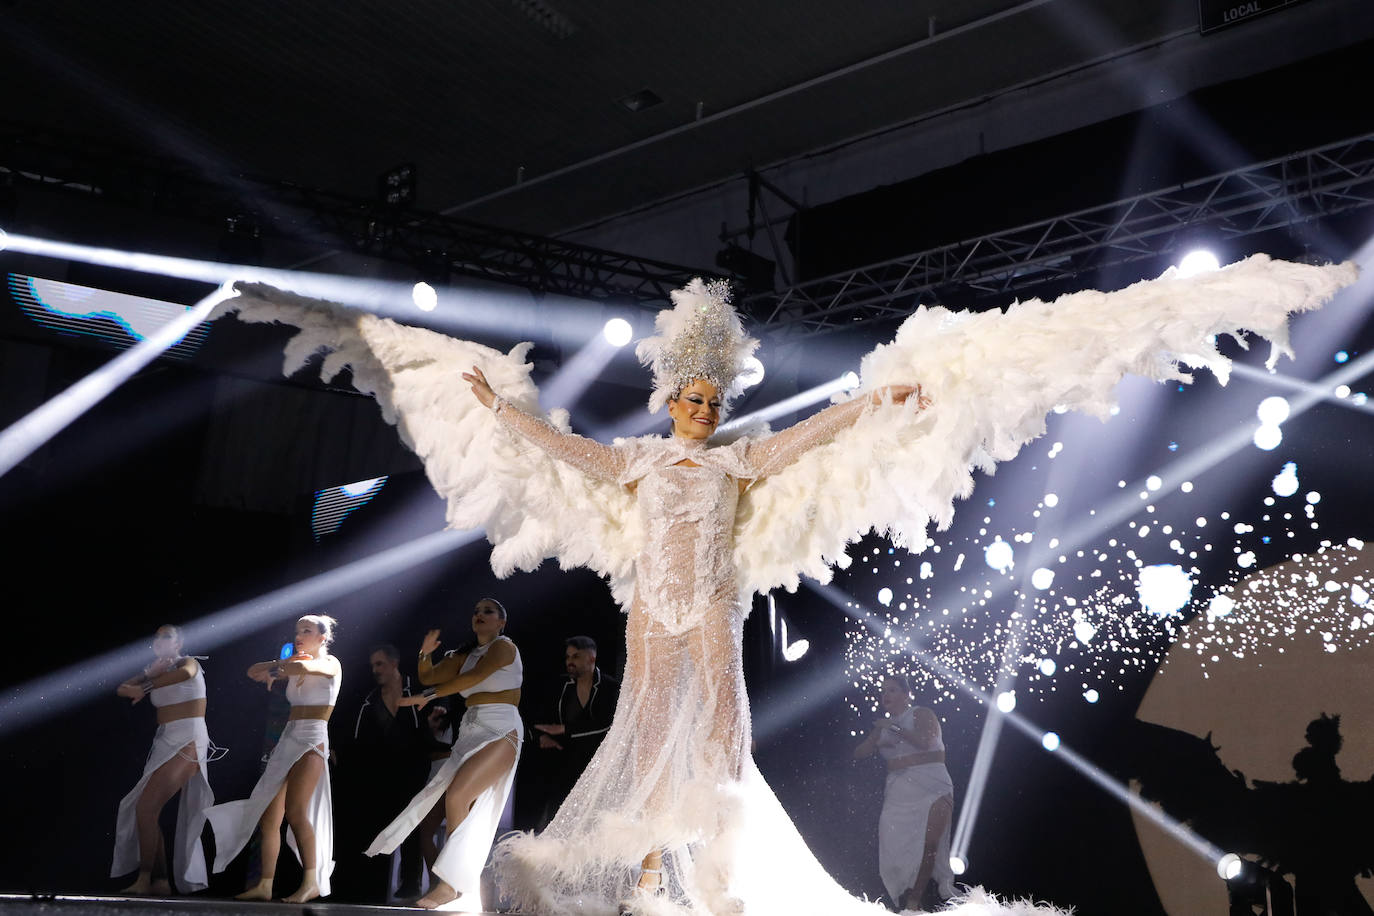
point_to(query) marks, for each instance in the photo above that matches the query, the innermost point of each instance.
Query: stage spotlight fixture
(425, 297)
(617, 332)
(240, 242)
(752, 374)
(1273, 411)
(1229, 866)
(638, 101)
(850, 380)
(1042, 578)
(1340, 357)
(1006, 700)
(3, 239)
(396, 186)
(1198, 261)
(1050, 741)
(957, 865)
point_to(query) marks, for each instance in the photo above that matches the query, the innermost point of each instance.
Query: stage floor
(185, 906)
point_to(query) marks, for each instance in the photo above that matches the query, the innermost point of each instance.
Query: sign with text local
(1218, 14)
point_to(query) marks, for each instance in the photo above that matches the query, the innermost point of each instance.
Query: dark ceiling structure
(523, 114)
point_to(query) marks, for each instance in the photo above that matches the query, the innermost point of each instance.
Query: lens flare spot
(999, 555)
(1273, 410)
(1164, 589)
(1285, 483)
(1268, 437)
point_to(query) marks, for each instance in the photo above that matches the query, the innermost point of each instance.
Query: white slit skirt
(234, 822)
(907, 800)
(188, 856)
(465, 851)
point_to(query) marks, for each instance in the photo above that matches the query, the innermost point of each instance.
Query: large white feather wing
(993, 378)
(531, 506)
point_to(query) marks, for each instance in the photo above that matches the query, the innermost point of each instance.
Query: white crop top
(193, 688)
(318, 689)
(892, 745)
(507, 677)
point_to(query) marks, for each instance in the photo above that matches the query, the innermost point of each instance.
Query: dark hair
(901, 679)
(325, 624)
(499, 606)
(581, 643)
(387, 649)
(468, 645)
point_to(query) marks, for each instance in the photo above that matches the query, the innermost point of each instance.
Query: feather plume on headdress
(700, 337)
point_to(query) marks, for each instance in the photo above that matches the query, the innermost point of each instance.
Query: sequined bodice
(686, 566)
(684, 569)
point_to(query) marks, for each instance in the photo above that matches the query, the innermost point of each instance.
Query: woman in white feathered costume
(686, 532)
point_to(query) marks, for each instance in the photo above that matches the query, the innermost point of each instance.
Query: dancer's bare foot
(439, 895)
(260, 891)
(141, 887)
(162, 888)
(308, 891)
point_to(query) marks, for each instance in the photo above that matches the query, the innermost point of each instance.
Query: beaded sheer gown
(685, 533)
(674, 770)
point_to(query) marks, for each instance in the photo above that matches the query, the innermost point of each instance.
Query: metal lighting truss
(1257, 198)
(433, 243)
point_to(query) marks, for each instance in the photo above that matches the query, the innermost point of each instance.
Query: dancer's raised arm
(773, 453)
(603, 462)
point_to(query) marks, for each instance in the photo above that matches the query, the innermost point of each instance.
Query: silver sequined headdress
(700, 337)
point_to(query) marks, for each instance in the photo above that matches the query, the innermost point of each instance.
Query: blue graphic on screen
(334, 504)
(118, 319)
(288, 649)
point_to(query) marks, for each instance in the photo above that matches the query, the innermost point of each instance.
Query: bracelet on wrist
(429, 693)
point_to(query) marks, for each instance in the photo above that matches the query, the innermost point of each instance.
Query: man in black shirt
(382, 763)
(584, 710)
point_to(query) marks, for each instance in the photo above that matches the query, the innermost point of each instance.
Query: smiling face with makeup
(695, 410)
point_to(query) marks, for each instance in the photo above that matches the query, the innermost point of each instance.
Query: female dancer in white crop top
(476, 780)
(176, 763)
(295, 783)
(918, 800)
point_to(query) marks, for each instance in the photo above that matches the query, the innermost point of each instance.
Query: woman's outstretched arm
(772, 454)
(604, 462)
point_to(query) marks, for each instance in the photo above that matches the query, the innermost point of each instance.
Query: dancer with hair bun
(295, 783)
(175, 683)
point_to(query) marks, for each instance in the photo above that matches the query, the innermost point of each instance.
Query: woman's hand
(430, 644)
(898, 394)
(414, 699)
(480, 389)
(264, 672)
(130, 692)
